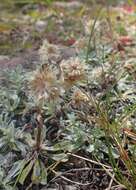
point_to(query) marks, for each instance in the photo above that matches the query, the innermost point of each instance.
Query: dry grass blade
(89, 160)
(111, 181)
(70, 181)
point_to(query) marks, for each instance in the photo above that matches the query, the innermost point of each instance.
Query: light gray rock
(40, 25)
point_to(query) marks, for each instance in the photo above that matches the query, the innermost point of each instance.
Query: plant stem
(39, 130)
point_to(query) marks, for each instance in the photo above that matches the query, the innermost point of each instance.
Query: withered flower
(72, 71)
(48, 52)
(45, 85)
(79, 97)
(131, 69)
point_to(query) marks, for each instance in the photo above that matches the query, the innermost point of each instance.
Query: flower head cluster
(49, 85)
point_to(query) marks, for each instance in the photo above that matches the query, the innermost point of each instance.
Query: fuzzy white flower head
(48, 52)
(45, 86)
(73, 71)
